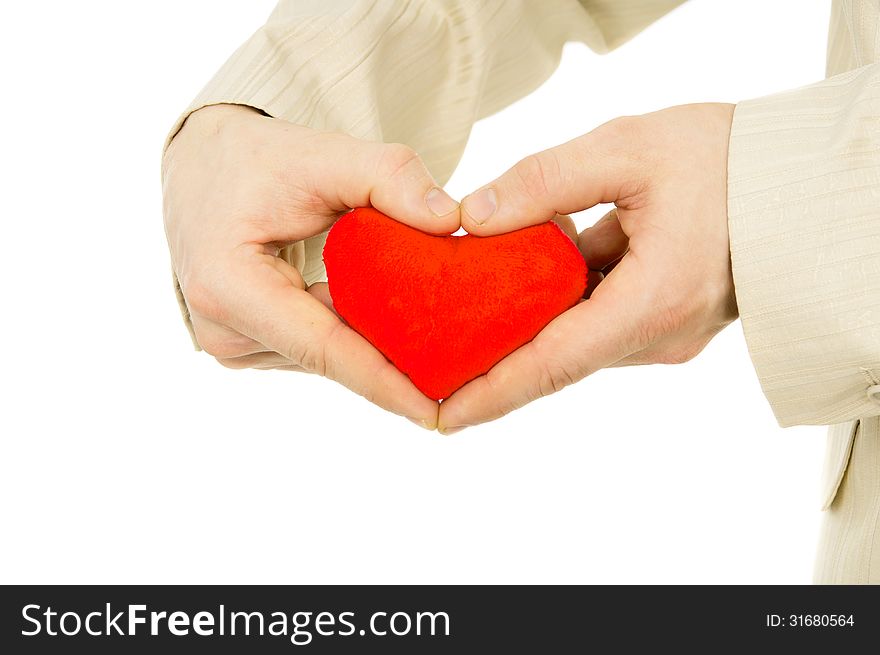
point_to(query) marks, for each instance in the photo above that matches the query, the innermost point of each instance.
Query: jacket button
(874, 393)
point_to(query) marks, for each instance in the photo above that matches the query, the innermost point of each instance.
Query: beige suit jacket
(804, 165)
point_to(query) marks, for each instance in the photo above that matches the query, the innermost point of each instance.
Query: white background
(127, 457)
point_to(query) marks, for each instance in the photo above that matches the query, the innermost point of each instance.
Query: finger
(346, 172)
(298, 326)
(593, 280)
(594, 168)
(321, 291)
(590, 336)
(220, 341)
(603, 243)
(264, 360)
(566, 224)
(610, 267)
(676, 348)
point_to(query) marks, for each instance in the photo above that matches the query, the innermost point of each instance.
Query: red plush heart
(445, 309)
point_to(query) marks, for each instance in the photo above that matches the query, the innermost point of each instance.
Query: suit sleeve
(804, 220)
(418, 72)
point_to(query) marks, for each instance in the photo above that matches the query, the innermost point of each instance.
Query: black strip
(481, 619)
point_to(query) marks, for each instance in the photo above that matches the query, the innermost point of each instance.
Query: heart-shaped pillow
(445, 309)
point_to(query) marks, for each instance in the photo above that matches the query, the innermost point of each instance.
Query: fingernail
(439, 202)
(422, 423)
(452, 430)
(481, 205)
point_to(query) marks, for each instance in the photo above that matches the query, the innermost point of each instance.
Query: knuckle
(314, 354)
(647, 332)
(369, 394)
(233, 363)
(304, 355)
(503, 403)
(538, 173)
(668, 317)
(680, 354)
(554, 372)
(627, 143)
(327, 364)
(554, 378)
(617, 137)
(372, 389)
(218, 347)
(395, 158)
(621, 128)
(201, 299)
(221, 342)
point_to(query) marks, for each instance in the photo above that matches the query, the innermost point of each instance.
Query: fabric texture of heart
(445, 309)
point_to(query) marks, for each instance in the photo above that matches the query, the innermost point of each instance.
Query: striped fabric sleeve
(804, 219)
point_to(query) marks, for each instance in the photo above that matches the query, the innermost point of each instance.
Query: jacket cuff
(804, 223)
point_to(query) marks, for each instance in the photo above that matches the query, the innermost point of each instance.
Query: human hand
(668, 288)
(239, 186)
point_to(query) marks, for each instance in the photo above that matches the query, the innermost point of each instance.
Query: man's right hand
(239, 186)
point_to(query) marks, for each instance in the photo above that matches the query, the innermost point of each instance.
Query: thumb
(591, 335)
(269, 306)
(574, 176)
(391, 177)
